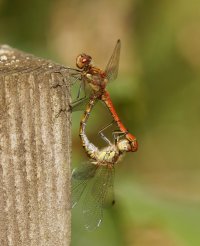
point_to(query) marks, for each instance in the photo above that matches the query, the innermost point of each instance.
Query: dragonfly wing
(78, 187)
(109, 198)
(93, 214)
(74, 79)
(74, 76)
(96, 197)
(80, 105)
(113, 64)
(80, 178)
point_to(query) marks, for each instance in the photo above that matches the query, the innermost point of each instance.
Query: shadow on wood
(35, 148)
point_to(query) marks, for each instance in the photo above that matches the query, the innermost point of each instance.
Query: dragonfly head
(83, 61)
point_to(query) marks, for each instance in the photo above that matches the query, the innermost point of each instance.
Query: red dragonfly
(97, 79)
(98, 174)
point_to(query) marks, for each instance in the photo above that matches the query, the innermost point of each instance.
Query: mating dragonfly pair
(97, 175)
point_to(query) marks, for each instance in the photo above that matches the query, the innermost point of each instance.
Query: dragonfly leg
(78, 104)
(103, 136)
(79, 101)
(79, 91)
(117, 134)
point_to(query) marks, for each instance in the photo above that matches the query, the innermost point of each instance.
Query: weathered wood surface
(35, 150)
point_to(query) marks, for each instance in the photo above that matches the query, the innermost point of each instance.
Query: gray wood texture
(35, 149)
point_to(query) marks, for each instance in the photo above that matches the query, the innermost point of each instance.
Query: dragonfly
(97, 79)
(97, 175)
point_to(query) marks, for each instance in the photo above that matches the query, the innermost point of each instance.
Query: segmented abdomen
(90, 148)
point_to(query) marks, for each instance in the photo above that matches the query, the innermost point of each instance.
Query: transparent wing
(109, 198)
(74, 75)
(80, 105)
(113, 64)
(80, 178)
(97, 195)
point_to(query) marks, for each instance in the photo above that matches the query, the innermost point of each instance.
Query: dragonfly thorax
(108, 155)
(96, 79)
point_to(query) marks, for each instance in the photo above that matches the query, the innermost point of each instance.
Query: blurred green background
(157, 95)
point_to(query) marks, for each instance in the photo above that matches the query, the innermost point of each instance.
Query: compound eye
(79, 61)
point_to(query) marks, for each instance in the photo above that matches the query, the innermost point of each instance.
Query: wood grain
(35, 149)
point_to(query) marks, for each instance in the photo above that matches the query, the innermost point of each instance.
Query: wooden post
(35, 148)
